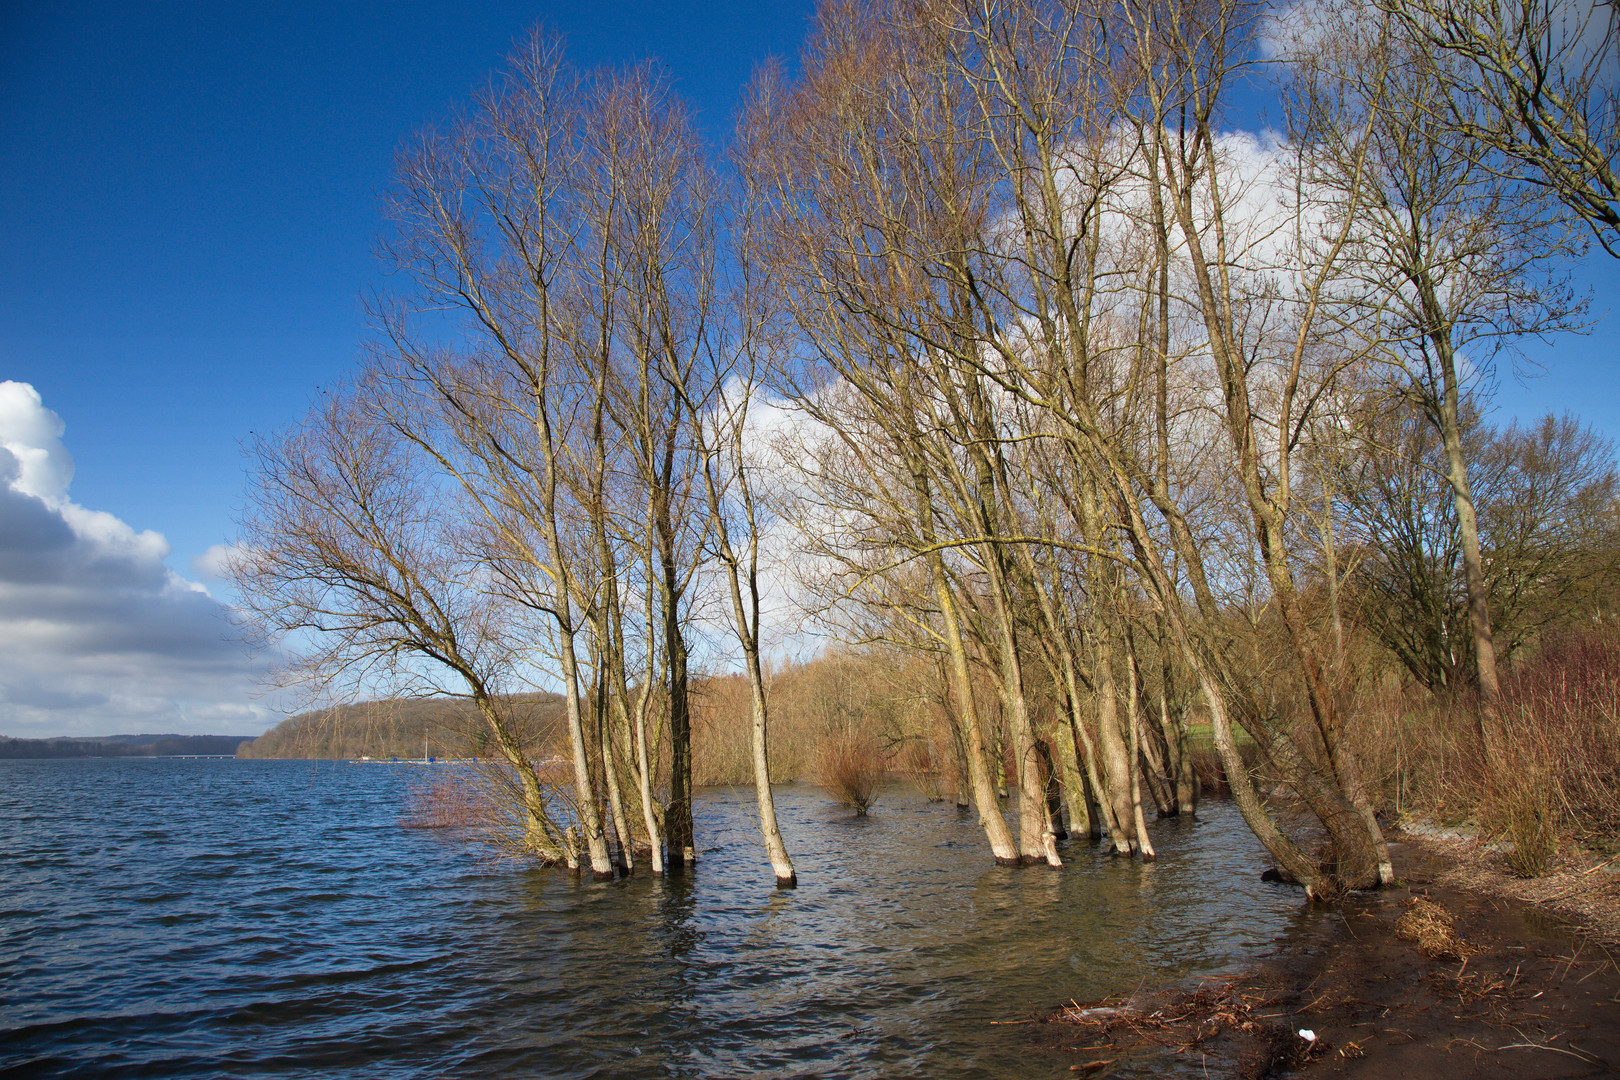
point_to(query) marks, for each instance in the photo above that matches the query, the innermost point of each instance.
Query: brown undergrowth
(1552, 787)
(1577, 887)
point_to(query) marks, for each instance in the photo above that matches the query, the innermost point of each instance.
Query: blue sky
(189, 197)
(189, 192)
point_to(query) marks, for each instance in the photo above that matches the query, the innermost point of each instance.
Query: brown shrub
(917, 762)
(1206, 762)
(880, 691)
(1556, 779)
(1520, 809)
(1561, 715)
(849, 768)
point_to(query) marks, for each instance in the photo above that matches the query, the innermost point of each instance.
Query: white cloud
(39, 464)
(97, 635)
(214, 564)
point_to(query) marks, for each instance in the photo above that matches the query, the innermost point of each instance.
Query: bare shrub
(447, 801)
(1206, 762)
(916, 761)
(1522, 811)
(1418, 753)
(849, 768)
(722, 715)
(876, 690)
(1562, 715)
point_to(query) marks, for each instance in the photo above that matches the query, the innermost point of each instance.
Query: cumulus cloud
(215, 563)
(97, 635)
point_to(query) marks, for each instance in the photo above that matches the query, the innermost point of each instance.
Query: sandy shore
(1524, 984)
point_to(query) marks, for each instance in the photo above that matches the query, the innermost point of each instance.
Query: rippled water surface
(203, 918)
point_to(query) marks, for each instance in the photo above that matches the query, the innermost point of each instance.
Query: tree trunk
(1032, 817)
(584, 790)
(1054, 793)
(1293, 863)
(1479, 613)
(786, 878)
(958, 740)
(1144, 846)
(678, 819)
(610, 771)
(1002, 846)
(1074, 787)
(1118, 775)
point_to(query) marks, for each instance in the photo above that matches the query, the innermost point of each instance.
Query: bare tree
(1547, 526)
(1450, 256)
(1536, 83)
(354, 561)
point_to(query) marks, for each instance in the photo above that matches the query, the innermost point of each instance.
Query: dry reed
(1433, 929)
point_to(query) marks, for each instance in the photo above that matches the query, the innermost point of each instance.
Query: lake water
(212, 918)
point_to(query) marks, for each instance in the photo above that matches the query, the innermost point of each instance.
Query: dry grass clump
(1433, 930)
(849, 768)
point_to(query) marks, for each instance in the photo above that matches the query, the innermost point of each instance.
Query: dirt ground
(1425, 979)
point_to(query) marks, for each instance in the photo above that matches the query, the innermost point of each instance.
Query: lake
(163, 917)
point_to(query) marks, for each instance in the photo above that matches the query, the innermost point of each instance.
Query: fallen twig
(1578, 1054)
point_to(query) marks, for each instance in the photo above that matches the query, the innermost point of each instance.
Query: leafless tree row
(1093, 404)
(1082, 358)
(539, 453)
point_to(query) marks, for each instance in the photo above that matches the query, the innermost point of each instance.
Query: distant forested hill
(122, 746)
(397, 727)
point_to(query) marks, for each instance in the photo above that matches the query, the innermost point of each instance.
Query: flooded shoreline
(197, 918)
(1428, 977)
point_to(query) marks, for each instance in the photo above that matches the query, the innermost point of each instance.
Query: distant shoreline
(116, 746)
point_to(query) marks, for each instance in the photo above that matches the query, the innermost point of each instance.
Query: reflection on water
(185, 918)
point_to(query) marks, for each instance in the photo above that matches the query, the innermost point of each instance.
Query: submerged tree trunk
(610, 773)
(781, 864)
(1002, 846)
(1074, 787)
(1144, 845)
(958, 739)
(1053, 792)
(584, 791)
(1033, 823)
(678, 818)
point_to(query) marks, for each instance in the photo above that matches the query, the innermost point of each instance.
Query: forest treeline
(402, 728)
(991, 348)
(123, 746)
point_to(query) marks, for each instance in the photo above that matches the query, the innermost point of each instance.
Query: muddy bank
(1424, 979)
